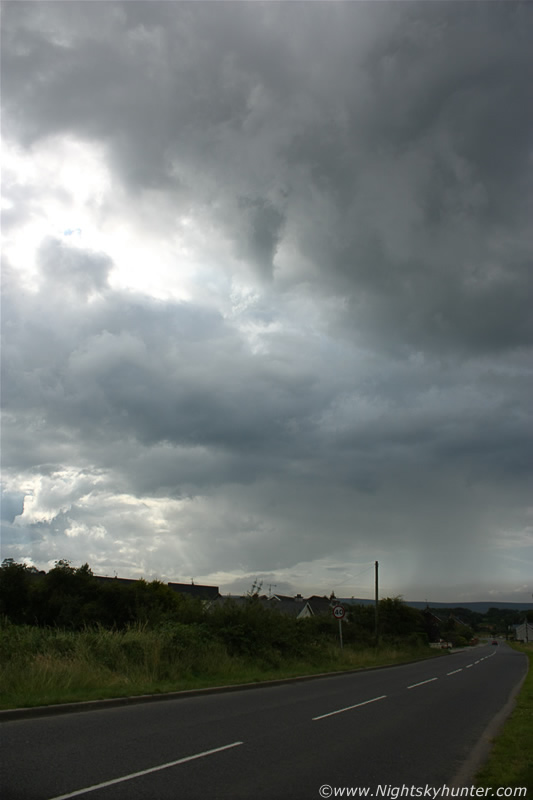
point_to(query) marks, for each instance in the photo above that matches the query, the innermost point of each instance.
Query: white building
(524, 632)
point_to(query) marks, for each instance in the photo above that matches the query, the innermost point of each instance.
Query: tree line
(72, 598)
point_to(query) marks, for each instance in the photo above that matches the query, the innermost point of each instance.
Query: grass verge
(48, 666)
(510, 763)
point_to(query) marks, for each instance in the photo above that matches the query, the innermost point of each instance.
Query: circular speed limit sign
(338, 612)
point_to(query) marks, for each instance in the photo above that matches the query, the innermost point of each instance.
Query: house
(459, 621)
(524, 632)
(198, 590)
(287, 597)
(432, 625)
(444, 627)
(321, 605)
(115, 581)
(292, 606)
(191, 589)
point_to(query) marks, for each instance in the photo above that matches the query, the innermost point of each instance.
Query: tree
(67, 597)
(14, 590)
(153, 601)
(396, 618)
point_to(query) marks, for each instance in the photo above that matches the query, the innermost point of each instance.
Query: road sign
(338, 612)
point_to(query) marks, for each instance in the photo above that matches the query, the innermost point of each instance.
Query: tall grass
(40, 666)
(510, 763)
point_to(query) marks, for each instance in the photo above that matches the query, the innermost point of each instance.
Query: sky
(266, 294)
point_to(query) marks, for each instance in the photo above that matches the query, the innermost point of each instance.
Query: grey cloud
(368, 165)
(409, 167)
(12, 504)
(65, 270)
(266, 224)
(146, 369)
(155, 371)
(165, 372)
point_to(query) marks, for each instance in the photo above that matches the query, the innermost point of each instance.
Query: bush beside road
(42, 666)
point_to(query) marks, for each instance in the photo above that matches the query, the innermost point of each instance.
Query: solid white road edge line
(412, 686)
(145, 771)
(348, 708)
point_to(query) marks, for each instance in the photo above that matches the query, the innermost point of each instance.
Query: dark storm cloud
(167, 399)
(162, 372)
(368, 165)
(128, 366)
(401, 170)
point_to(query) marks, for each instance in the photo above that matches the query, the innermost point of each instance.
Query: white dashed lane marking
(133, 775)
(421, 683)
(349, 708)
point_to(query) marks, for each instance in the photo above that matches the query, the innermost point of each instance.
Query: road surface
(412, 725)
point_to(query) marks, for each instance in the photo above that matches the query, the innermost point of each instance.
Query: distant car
(494, 642)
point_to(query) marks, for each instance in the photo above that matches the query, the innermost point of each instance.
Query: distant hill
(480, 607)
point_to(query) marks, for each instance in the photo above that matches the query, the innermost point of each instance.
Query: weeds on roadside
(510, 763)
(39, 666)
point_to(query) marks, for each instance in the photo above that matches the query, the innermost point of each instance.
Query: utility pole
(376, 619)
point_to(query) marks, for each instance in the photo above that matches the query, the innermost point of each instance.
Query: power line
(352, 577)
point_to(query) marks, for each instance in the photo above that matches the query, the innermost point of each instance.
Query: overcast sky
(267, 294)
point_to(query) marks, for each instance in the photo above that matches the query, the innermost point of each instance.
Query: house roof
(287, 605)
(459, 621)
(320, 605)
(292, 607)
(115, 581)
(438, 620)
(191, 589)
(196, 590)
(281, 597)
(237, 601)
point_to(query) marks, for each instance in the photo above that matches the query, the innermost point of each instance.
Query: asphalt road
(412, 725)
